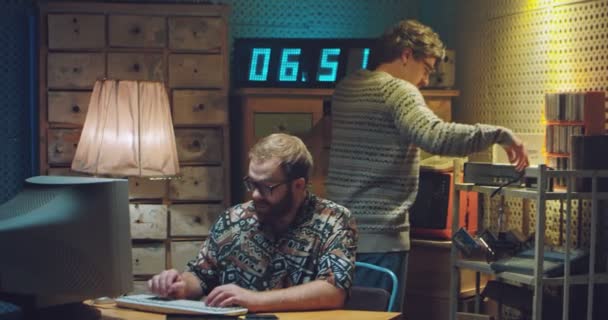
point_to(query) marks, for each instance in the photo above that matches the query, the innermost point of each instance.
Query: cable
(518, 178)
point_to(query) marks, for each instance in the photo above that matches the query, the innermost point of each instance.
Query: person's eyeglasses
(264, 189)
(428, 68)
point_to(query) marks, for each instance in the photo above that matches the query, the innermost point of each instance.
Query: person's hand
(231, 294)
(168, 283)
(517, 154)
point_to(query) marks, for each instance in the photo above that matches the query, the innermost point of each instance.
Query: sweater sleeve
(418, 124)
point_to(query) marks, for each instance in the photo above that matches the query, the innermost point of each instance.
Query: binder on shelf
(567, 115)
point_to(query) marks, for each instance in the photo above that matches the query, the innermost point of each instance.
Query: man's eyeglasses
(264, 189)
(428, 68)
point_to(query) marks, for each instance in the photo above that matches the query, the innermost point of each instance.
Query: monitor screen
(66, 239)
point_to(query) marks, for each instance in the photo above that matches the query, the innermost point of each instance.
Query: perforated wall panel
(306, 18)
(511, 53)
(14, 122)
(316, 18)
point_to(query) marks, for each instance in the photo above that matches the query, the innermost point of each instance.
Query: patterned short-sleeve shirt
(319, 245)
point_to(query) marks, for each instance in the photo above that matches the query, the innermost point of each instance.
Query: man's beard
(274, 212)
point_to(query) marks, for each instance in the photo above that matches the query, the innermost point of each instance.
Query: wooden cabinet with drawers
(184, 46)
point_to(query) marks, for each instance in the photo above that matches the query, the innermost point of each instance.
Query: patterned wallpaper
(15, 131)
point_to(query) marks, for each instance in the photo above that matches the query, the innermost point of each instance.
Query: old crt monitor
(65, 240)
(431, 213)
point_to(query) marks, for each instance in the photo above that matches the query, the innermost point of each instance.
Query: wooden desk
(111, 312)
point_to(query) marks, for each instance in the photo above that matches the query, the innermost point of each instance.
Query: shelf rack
(540, 193)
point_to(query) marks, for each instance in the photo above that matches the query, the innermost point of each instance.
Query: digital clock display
(308, 63)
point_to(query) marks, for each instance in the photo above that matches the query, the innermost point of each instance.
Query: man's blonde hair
(295, 158)
(411, 34)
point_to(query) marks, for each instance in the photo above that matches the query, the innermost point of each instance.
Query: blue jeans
(395, 261)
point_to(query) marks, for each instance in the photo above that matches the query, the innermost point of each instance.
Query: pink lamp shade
(128, 131)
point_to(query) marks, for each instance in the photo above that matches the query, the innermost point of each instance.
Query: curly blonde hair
(295, 158)
(411, 34)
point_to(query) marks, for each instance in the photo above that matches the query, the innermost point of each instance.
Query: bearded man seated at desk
(286, 249)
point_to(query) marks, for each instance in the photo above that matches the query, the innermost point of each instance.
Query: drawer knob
(75, 108)
(58, 149)
(199, 107)
(76, 70)
(198, 220)
(136, 30)
(74, 20)
(136, 67)
(196, 144)
(195, 70)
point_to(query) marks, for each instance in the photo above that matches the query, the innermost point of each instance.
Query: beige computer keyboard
(146, 302)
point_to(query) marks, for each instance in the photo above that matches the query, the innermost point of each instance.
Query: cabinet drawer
(68, 107)
(199, 107)
(74, 70)
(196, 33)
(292, 123)
(62, 145)
(196, 71)
(135, 66)
(441, 106)
(148, 221)
(148, 259)
(144, 188)
(199, 145)
(198, 183)
(140, 287)
(193, 219)
(76, 31)
(137, 31)
(184, 251)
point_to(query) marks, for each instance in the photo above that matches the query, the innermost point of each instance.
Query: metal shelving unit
(540, 194)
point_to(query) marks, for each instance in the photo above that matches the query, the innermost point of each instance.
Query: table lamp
(128, 131)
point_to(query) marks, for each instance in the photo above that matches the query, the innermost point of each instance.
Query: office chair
(373, 299)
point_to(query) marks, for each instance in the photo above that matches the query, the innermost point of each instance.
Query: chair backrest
(374, 299)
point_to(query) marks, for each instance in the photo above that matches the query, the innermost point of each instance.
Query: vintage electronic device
(152, 303)
(490, 174)
(431, 214)
(553, 263)
(445, 75)
(65, 240)
(297, 63)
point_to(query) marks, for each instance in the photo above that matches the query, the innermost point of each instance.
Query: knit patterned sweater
(378, 125)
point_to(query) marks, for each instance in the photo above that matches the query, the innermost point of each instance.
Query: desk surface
(111, 312)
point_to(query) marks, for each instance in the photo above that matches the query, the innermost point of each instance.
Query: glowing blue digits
(289, 67)
(365, 58)
(257, 73)
(328, 69)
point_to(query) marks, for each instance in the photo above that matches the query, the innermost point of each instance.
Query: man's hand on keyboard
(168, 283)
(232, 295)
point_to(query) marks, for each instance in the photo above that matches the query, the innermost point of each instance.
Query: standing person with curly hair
(380, 122)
